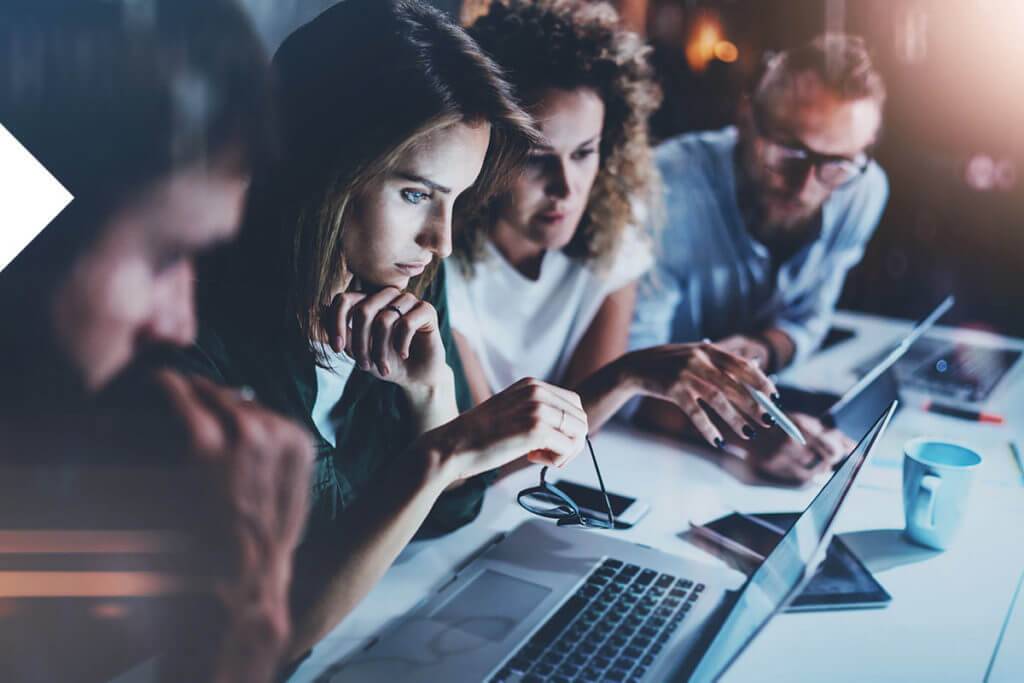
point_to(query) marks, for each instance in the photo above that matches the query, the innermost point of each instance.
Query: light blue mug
(937, 479)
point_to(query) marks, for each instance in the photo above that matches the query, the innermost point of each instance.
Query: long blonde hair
(358, 86)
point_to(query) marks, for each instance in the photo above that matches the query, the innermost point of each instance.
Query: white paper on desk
(1008, 662)
(880, 478)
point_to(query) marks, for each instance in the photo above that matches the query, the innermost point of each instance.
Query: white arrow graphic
(30, 198)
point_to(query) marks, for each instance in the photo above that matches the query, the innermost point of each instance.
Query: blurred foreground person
(145, 525)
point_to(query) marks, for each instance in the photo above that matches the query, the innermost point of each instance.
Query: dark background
(953, 144)
(955, 75)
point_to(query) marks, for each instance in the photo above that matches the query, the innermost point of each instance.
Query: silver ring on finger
(396, 309)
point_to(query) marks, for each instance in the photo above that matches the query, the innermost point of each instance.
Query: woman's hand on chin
(530, 419)
(392, 335)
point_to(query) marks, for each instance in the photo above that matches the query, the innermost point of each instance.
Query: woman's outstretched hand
(702, 379)
(531, 419)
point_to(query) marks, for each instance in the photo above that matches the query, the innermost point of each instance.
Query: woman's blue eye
(414, 197)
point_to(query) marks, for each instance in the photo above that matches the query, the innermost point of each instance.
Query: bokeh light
(706, 34)
(726, 51)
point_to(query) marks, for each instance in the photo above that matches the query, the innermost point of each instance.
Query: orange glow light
(46, 584)
(706, 34)
(110, 610)
(96, 542)
(726, 51)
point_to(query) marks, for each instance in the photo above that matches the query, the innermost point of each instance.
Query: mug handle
(924, 512)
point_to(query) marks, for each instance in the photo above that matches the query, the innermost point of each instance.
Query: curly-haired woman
(549, 269)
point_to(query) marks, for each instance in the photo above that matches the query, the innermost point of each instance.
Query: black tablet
(842, 581)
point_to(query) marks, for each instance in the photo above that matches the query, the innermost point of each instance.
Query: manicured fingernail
(719, 444)
(768, 419)
(749, 432)
(777, 400)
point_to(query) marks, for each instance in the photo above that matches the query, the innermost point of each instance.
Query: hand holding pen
(779, 456)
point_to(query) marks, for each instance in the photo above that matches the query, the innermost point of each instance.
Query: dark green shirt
(374, 424)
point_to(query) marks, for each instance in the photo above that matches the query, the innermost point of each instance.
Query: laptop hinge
(493, 541)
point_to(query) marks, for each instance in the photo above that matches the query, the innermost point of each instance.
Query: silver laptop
(857, 409)
(552, 603)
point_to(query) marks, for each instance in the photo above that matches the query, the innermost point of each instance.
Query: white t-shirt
(330, 385)
(530, 328)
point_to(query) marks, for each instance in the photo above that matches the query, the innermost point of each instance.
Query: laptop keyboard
(611, 629)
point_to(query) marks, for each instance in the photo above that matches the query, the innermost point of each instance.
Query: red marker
(962, 413)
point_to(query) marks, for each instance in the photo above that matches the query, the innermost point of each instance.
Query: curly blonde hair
(565, 45)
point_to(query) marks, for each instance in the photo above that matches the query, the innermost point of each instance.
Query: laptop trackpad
(491, 606)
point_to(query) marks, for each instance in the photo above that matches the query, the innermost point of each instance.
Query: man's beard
(788, 226)
(792, 226)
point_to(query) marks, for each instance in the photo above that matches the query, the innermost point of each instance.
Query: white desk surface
(948, 609)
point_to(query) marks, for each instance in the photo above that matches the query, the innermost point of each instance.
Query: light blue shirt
(713, 279)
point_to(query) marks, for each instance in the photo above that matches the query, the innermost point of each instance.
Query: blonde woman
(550, 268)
(332, 305)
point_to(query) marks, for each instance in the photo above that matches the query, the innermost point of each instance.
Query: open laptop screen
(878, 386)
(780, 575)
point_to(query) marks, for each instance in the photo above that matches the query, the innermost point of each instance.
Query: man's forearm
(780, 346)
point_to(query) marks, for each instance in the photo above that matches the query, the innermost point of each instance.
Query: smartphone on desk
(628, 511)
(751, 532)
